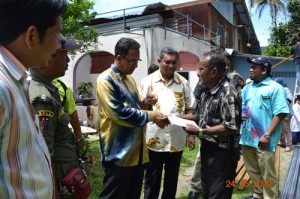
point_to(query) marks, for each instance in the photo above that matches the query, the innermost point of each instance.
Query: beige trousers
(260, 166)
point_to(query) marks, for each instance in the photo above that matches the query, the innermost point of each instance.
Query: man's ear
(158, 60)
(214, 71)
(264, 70)
(118, 58)
(32, 37)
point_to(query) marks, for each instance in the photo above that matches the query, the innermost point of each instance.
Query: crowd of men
(137, 141)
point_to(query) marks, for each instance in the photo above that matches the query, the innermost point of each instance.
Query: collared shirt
(174, 98)
(122, 136)
(53, 123)
(70, 105)
(289, 100)
(263, 102)
(295, 122)
(25, 167)
(221, 105)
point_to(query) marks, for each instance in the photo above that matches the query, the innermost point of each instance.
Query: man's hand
(263, 143)
(150, 99)
(160, 119)
(192, 129)
(191, 142)
(81, 144)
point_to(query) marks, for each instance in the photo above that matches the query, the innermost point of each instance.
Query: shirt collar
(158, 77)
(118, 72)
(215, 89)
(266, 82)
(37, 77)
(12, 64)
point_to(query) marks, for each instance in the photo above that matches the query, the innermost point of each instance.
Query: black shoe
(249, 197)
(193, 195)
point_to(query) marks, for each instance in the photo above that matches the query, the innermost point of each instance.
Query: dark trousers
(217, 171)
(122, 182)
(171, 164)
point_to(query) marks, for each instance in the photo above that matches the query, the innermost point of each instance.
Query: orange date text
(246, 183)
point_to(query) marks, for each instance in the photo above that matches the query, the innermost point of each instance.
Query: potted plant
(85, 89)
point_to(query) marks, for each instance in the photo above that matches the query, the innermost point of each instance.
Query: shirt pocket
(265, 102)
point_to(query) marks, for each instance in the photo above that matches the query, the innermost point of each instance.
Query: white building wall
(151, 41)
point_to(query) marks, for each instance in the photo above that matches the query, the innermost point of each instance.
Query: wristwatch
(80, 139)
(267, 137)
(200, 134)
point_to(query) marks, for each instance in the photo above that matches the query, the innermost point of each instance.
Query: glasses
(170, 62)
(200, 69)
(131, 62)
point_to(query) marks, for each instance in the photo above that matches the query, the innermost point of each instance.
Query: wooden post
(275, 65)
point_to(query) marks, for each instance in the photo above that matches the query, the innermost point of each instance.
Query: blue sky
(261, 25)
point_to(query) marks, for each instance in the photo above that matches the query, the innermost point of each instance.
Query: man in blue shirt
(122, 116)
(266, 106)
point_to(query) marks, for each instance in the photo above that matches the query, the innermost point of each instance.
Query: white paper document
(179, 121)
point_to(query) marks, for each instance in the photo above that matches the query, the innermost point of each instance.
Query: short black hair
(124, 44)
(169, 51)
(17, 15)
(216, 60)
(152, 68)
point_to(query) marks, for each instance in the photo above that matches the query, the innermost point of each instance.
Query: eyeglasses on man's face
(201, 69)
(131, 62)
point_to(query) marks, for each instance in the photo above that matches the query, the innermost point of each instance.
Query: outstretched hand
(192, 129)
(160, 119)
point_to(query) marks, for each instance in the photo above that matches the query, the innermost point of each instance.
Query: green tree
(75, 21)
(275, 6)
(283, 35)
(278, 42)
(294, 23)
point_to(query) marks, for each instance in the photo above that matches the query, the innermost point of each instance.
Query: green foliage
(279, 41)
(283, 35)
(294, 23)
(78, 14)
(275, 7)
(85, 88)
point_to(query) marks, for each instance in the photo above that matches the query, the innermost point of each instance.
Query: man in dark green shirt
(53, 121)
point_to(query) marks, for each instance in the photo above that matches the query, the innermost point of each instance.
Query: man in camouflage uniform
(53, 121)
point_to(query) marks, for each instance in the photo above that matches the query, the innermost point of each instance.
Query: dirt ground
(285, 158)
(184, 179)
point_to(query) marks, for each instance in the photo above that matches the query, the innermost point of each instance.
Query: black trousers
(171, 164)
(218, 170)
(122, 182)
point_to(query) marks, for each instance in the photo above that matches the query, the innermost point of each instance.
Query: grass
(94, 168)
(95, 172)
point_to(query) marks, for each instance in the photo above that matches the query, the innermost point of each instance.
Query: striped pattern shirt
(25, 168)
(122, 136)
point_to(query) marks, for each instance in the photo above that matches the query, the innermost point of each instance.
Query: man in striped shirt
(28, 36)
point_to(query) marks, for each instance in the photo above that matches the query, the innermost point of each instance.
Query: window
(287, 74)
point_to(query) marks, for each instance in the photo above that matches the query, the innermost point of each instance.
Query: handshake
(160, 119)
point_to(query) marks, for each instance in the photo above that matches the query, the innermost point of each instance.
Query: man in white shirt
(175, 97)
